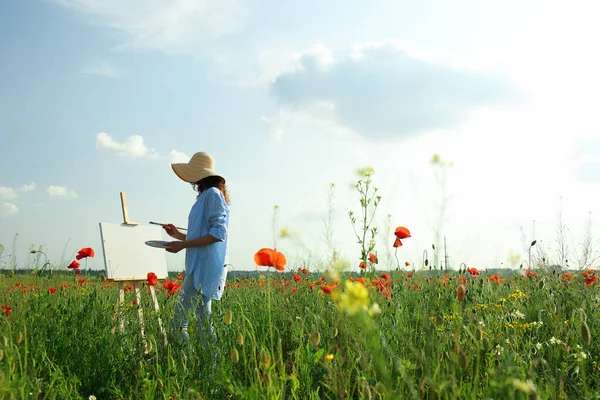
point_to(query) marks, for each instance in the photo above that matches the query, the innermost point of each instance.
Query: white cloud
(8, 209)
(61, 192)
(383, 92)
(178, 157)
(104, 69)
(133, 146)
(7, 193)
(27, 188)
(183, 26)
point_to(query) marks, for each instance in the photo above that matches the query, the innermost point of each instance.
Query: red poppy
(51, 290)
(591, 280)
(406, 263)
(74, 265)
(152, 279)
(361, 280)
(294, 290)
(266, 257)
(397, 243)
(81, 281)
(362, 265)
(328, 288)
(296, 277)
(402, 233)
(311, 286)
(473, 271)
(7, 310)
(84, 253)
(77, 271)
(410, 275)
(180, 276)
(495, 278)
(386, 277)
(172, 287)
(530, 273)
(372, 258)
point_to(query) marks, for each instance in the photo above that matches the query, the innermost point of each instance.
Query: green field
(408, 336)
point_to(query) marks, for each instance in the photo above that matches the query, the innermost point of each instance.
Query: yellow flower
(329, 357)
(353, 299)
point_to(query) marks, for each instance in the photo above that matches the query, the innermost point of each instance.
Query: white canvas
(127, 257)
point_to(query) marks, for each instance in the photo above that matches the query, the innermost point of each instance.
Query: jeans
(189, 298)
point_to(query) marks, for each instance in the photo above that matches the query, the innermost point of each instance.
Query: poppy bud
(160, 383)
(463, 361)
(478, 334)
(461, 292)
(541, 284)
(455, 346)
(228, 317)
(235, 356)
(585, 333)
(315, 338)
(19, 337)
(148, 347)
(240, 339)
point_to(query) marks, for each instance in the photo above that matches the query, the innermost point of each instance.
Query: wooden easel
(137, 285)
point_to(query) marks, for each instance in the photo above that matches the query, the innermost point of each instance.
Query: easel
(137, 285)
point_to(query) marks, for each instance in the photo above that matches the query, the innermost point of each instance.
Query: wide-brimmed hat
(200, 166)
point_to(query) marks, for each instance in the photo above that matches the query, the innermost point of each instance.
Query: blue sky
(98, 97)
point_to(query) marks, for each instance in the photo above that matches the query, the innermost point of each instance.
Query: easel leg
(157, 309)
(138, 299)
(118, 309)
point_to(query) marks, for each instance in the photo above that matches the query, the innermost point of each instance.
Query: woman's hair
(212, 181)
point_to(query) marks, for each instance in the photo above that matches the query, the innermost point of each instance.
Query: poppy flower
(407, 263)
(77, 271)
(81, 281)
(386, 276)
(172, 287)
(372, 258)
(152, 279)
(361, 280)
(52, 290)
(294, 290)
(591, 280)
(362, 265)
(296, 277)
(84, 253)
(402, 232)
(266, 257)
(397, 243)
(180, 276)
(74, 265)
(473, 271)
(7, 310)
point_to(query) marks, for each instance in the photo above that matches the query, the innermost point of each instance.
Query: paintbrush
(158, 223)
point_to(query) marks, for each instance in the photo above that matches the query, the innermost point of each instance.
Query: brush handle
(158, 223)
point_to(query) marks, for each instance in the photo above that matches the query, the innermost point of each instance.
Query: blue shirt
(209, 216)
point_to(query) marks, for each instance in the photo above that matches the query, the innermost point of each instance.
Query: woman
(206, 242)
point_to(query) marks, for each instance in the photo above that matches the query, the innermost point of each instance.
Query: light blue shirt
(209, 215)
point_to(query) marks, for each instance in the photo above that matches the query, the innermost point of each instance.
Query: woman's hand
(173, 231)
(174, 247)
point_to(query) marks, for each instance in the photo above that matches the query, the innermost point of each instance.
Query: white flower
(517, 314)
(481, 324)
(538, 345)
(507, 341)
(92, 397)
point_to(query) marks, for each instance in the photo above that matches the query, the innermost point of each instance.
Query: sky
(99, 97)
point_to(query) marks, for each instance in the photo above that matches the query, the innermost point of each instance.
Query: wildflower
(151, 279)
(327, 289)
(74, 265)
(81, 281)
(495, 278)
(294, 290)
(402, 232)
(329, 357)
(473, 271)
(85, 253)
(296, 277)
(410, 275)
(530, 273)
(171, 287)
(92, 397)
(387, 277)
(406, 264)
(77, 272)
(266, 257)
(51, 290)
(311, 286)
(374, 310)
(360, 280)
(353, 299)
(362, 265)
(538, 346)
(372, 258)
(180, 276)
(591, 280)
(6, 309)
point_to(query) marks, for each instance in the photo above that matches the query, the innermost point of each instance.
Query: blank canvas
(127, 257)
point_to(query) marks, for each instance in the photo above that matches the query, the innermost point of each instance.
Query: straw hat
(200, 166)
